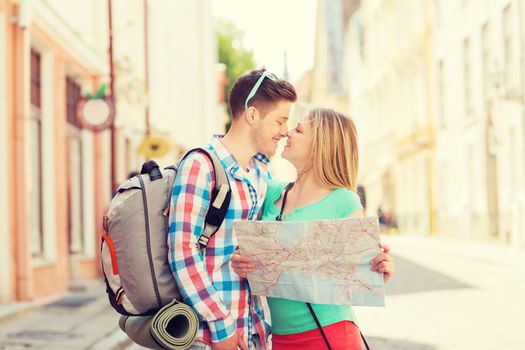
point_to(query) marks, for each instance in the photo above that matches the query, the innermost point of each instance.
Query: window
(36, 227)
(441, 92)
(72, 96)
(485, 58)
(467, 75)
(513, 160)
(438, 16)
(360, 35)
(507, 43)
(413, 95)
(471, 171)
(36, 82)
(76, 237)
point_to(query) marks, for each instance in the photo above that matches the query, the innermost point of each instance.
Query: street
(449, 295)
(445, 295)
(82, 319)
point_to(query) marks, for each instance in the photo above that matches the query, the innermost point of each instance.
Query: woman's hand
(241, 264)
(384, 263)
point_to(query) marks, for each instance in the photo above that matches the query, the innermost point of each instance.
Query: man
(230, 316)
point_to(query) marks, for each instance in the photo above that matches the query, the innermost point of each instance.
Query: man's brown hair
(268, 93)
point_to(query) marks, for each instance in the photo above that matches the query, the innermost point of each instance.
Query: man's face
(268, 129)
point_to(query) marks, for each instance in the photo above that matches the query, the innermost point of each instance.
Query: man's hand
(241, 264)
(232, 343)
(384, 263)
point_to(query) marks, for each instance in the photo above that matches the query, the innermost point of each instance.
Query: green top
(291, 316)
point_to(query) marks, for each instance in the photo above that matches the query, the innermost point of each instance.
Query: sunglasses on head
(252, 93)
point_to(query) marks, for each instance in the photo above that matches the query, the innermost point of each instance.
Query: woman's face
(298, 148)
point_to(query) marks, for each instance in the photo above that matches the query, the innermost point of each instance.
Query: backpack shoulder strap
(220, 199)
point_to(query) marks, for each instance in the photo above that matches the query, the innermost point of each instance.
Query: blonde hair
(334, 149)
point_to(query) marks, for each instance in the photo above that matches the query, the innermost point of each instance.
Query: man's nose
(285, 133)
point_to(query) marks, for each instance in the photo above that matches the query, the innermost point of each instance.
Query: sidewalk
(482, 308)
(454, 295)
(463, 259)
(81, 319)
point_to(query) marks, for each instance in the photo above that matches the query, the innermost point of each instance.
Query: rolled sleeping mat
(172, 327)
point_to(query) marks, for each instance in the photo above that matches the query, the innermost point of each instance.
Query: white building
(389, 58)
(479, 109)
(436, 88)
(183, 77)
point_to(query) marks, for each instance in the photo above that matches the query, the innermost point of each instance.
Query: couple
(323, 148)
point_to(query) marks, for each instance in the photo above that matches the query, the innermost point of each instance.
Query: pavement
(81, 319)
(446, 295)
(450, 294)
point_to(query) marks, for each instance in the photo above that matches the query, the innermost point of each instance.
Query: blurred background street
(89, 90)
(445, 295)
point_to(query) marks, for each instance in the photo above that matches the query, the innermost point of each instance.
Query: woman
(323, 149)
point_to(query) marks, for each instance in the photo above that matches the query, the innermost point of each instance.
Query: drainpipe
(114, 184)
(146, 66)
(521, 201)
(522, 63)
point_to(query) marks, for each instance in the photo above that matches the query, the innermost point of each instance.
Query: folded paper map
(321, 262)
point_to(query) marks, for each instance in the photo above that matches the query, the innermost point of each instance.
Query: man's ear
(250, 115)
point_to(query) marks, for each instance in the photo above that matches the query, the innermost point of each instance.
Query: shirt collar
(227, 159)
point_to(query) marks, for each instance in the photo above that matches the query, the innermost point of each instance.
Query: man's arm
(189, 203)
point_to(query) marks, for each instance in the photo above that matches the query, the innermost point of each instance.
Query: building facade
(437, 90)
(57, 182)
(50, 161)
(479, 92)
(390, 64)
(183, 70)
(329, 87)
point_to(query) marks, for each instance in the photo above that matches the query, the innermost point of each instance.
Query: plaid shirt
(208, 283)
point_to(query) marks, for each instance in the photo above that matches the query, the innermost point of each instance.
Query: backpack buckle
(203, 241)
(105, 223)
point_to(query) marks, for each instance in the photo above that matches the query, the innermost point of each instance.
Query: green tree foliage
(232, 53)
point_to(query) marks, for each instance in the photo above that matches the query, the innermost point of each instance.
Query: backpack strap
(220, 199)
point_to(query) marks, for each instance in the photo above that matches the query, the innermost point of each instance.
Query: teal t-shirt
(291, 316)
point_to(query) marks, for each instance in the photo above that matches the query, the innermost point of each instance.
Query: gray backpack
(139, 280)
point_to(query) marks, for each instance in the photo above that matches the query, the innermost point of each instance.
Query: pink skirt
(341, 335)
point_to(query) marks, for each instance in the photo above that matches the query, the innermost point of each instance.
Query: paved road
(446, 295)
(450, 295)
(79, 320)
